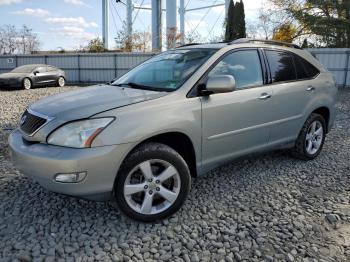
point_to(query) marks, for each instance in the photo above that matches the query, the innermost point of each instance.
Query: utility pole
(171, 27)
(105, 23)
(156, 25)
(182, 12)
(129, 9)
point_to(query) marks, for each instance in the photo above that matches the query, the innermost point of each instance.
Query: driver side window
(244, 66)
(41, 69)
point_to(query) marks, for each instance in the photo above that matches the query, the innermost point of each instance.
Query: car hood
(12, 75)
(89, 101)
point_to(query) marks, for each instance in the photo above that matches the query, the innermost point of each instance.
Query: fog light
(70, 177)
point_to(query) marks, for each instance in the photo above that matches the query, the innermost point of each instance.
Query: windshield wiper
(137, 86)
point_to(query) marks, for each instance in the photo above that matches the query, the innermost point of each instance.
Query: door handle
(310, 88)
(264, 96)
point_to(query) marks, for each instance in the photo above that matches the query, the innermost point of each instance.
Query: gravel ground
(269, 207)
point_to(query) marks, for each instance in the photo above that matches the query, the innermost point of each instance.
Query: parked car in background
(142, 138)
(28, 76)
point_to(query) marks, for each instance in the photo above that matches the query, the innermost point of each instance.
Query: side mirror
(220, 84)
(35, 72)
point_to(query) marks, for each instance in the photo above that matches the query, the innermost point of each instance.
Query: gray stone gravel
(269, 207)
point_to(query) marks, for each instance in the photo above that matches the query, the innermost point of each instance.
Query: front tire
(311, 138)
(153, 182)
(26, 84)
(61, 82)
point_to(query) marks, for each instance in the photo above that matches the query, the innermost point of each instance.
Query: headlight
(79, 134)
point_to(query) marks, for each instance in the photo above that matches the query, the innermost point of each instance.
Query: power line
(138, 10)
(203, 17)
(114, 21)
(211, 30)
(116, 10)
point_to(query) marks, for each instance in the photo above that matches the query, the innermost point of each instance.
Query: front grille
(3, 82)
(30, 123)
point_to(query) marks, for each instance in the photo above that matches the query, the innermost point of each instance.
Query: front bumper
(42, 162)
(10, 83)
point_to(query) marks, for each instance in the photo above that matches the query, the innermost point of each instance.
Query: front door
(40, 76)
(236, 123)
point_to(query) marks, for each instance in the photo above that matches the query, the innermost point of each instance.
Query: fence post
(346, 68)
(79, 77)
(115, 65)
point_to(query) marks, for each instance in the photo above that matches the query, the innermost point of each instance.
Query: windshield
(167, 71)
(23, 69)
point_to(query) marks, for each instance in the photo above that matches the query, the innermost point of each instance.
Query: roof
(199, 45)
(241, 41)
(34, 65)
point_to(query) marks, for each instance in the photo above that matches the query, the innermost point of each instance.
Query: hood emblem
(23, 120)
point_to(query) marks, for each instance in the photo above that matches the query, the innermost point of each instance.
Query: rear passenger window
(304, 68)
(51, 69)
(281, 66)
(244, 66)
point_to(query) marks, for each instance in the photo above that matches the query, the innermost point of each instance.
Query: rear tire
(61, 82)
(311, 138)
(152, 183)
(26, 84)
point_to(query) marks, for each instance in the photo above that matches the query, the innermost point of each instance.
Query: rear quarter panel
(325, 95)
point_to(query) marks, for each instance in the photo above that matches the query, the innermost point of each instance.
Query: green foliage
(138, 41)
(96, 45)
(235, 24)
(285, 33)
(327, 20)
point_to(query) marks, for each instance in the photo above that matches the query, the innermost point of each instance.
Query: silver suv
(141, 138)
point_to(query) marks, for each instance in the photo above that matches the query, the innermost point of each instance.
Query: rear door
(236, 123)
(52, 74)
(292, 89)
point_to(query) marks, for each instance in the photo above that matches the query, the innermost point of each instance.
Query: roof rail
(188, 45)
(264, 41)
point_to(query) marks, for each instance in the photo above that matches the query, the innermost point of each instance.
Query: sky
(69, 24)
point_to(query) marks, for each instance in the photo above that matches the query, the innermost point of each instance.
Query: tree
(326, 21)
(96, 45)
(138, 41)
(235, 24)
(28, 41)
(193, 37)
(22, 41)
(268, 23)
(285, 33)
(8, 39)
(241, 28)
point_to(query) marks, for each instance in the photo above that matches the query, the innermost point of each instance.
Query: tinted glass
(244, 66)
(167, 71)
(300, 68)
(23, 69)
(281, 66)
(41, 69)
(311, 70)
(50, 69)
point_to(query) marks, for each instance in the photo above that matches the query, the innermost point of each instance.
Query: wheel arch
(29, 78)
(325, 113)
(178, 141)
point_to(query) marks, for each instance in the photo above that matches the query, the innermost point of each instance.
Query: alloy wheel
(27, 84)
(152, 187)
(61, 82)
(314, 137)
